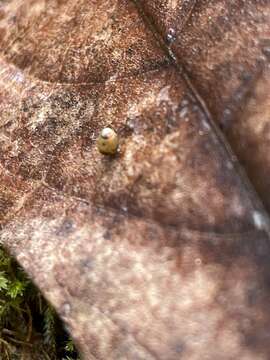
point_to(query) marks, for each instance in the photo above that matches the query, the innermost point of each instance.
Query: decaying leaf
(225, 48)
(160, 252)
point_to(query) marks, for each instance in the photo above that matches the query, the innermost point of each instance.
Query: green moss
(28, 324)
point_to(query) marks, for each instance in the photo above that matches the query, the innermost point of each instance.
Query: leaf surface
(225, 50)
(159, 252)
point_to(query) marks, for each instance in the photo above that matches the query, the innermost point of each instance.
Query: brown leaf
(158, 252)
(225, 48)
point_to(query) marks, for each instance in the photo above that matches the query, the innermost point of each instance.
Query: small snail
(171, 36)
(107, 142)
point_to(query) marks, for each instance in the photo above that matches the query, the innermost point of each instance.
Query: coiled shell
(108, 141)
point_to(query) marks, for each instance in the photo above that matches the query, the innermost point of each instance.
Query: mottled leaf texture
(161, 252)
(225, 48)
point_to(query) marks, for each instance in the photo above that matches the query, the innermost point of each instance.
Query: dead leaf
(161, 251)
(225, 49)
